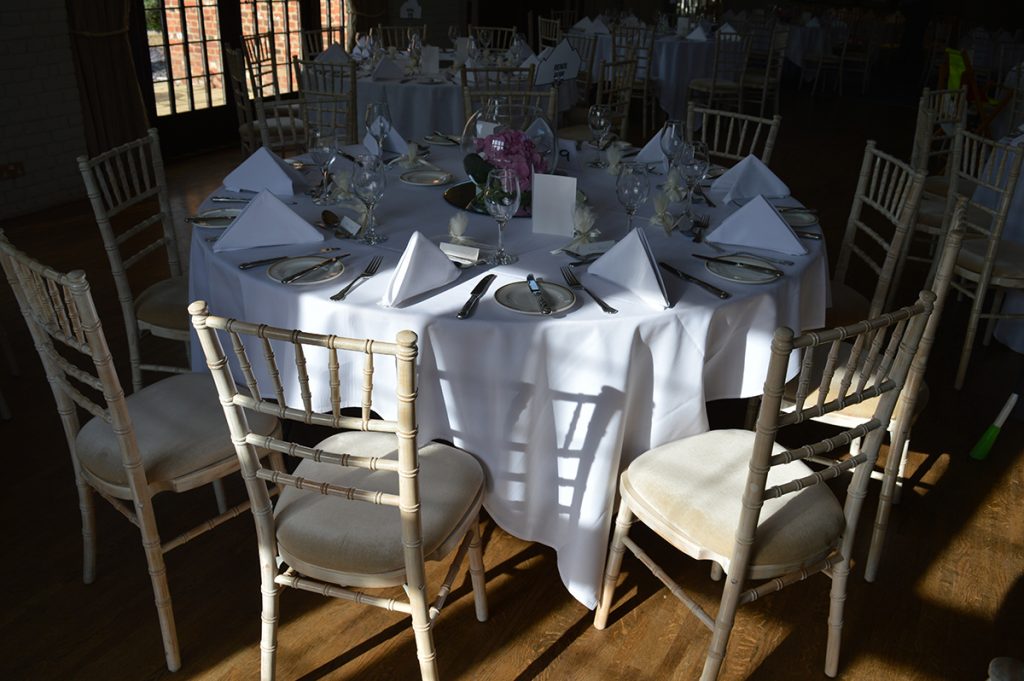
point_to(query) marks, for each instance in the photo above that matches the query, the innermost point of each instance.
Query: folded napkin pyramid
(265, 170)
(747, 179)
(758, 225)
(584, 24)
(423, 267)
(393, 142)
(631, 265)
(697, 35)
(726, 28)
(387, 69)
(651, 153)
(598, 27)
(334, 54)
(266, 222)
(813, 23)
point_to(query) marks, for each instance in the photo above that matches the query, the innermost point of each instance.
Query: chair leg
(614, 565)
(840, 573)
(723, 628)
(426, 653)
(268, 636)
(88, 511)
(220, 496)
(716, 572)
(894, 470)
(158, 578)
(972, 330)
(476, 572)
(990, 325)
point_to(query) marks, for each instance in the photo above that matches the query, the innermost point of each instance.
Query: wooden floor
(950, 596)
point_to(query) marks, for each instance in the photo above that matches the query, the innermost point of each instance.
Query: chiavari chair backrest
(329, 99)
(247, 131)
(317, 40)
(614, 90)
(940, 112)
(565, 17)
(634, 42)
(278, 118)
(493, 39)
(732, 136)
(586, 48)
(544, 100)
(877, 232)
(399, 36)
(479, 84)
(549, 32)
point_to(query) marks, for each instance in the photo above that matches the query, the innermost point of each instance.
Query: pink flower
(512, 149)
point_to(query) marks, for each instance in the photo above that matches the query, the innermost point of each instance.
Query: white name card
(554, 200)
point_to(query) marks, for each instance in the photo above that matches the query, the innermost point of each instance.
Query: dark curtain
(112, 104)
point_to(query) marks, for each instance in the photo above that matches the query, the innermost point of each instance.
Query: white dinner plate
(439, 140)
(217, 218)
(799, 218)
(740, 274)
(715, 171)
(425, 177)
(285, 268)
(517, 296)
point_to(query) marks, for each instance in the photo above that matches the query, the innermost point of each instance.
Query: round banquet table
(553, 407)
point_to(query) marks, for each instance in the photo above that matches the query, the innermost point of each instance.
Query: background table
(554, 407)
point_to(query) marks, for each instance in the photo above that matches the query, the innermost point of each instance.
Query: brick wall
(40, 113)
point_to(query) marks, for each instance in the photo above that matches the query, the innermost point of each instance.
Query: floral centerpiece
(511, 136)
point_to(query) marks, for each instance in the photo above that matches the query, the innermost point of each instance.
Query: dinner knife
(474, 297)
(814, 236)
(538, 294)
(309, 270)
(266, 261)
(739, 263)
(700, 282)
(707, 199)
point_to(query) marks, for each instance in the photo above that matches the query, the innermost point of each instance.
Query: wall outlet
(9, 171)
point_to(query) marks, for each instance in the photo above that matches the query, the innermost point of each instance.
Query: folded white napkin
(362, 49)
(651, 153)
(334, 54)
(423, 267)
(393, 142)
(726, 28)
(430, 59)
(265, 170)
(813, 23)
(598, 27)
(698, 35)
(387, 69)
(266, 221)
(583, 24)
(757, 225)
(631, 265)
(747, 179)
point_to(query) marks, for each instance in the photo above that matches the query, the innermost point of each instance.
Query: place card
(459, 252)
(430, 59)
(349, 225)
(554, 200)
(461, 49)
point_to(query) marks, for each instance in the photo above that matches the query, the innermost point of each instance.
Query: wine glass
(693, 164)
(485, 38)
(453, 35)
(501, 197)
(632, 188)
(600, 121)
(378, 123)
(320, 152)
(368, 183)
(673, 137)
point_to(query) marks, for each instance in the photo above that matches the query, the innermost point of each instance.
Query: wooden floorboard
(950, 596)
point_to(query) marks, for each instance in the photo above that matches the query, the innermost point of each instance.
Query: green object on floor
(984, 446)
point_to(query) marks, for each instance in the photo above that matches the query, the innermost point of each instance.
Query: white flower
(457, 225)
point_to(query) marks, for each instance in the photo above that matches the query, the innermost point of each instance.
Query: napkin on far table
(334, 54)
(266, 221)
(698, 35)
(265, 170)
(747, 179)
(631, 265)
(393, 142)
(583, 24)
(387, 69)
(423, 267)
(598, 27)
(651, 153)
(758, 225)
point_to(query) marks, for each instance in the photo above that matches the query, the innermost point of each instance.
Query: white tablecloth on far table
(554, 407)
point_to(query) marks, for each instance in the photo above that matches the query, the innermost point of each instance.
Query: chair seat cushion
(936, 186)
(848, 306)
(359, 543)
(690, 492)
(164, 305)
(179, 427)
(933, 210)
(1009, 262)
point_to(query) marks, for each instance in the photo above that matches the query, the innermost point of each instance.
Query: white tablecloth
(554, 407)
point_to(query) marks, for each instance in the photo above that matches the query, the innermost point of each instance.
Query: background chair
(876, 236)
(637, 42)
(585, 46)
(317, 40)
(399, 36)
(478, 84)
(166, 437)
(493, 39)
(731, 136)
(126, 186)
(762, 83)
(754, 507)
(614, 90)
(249, 134)
(939, 113)
(278, 113)
(549, 33)
(384, 506)
(329, 96)
(724, 89)
(546, 100)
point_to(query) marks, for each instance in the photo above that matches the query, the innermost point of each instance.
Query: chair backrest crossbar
(329, 97)
(614, 90)
(733, 136)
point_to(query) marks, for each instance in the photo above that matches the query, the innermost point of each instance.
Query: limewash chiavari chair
(545, 100)
(364, 508)
(278, 117)
(637, 42)
(315, 41)
(566, 17)
(614, 90)
(399, 36)
(731, 136)
(985, 175)
(724, 89)
(127, 184)
(765, 83)
(328, 99)
(167, 437)
(480, 84)
(939, 113)
(877, 233)
(248, 127)
(755, 508)
(549, 32)
(493, 39)
(586, 48)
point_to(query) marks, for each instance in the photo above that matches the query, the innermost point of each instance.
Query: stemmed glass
(599, 119)
(693, 164)
(672, 139)
(453, 35)
(632, 188)
(502, 196)
(485, 38)
(378, 123)
(320, 151)
(368, 182)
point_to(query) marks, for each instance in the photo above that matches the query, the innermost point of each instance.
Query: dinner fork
(574, 284)
(369, 271)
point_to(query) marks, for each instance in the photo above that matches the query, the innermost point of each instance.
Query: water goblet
(320, 152)
(600, 122)
(693, 165)
(378, 123)
(501, 197)
(672, 139)
(368, 182)
(632, 189)
(453, 35)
